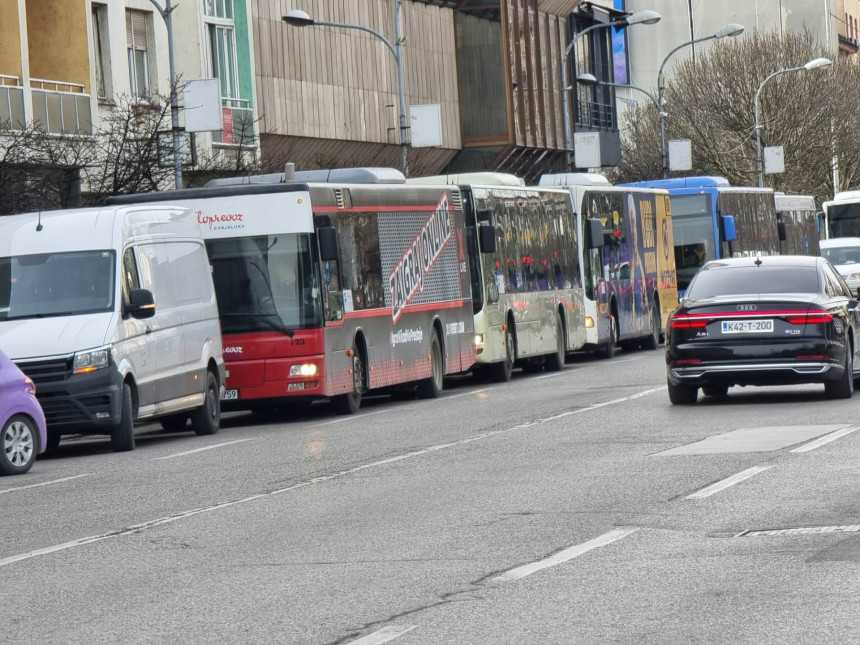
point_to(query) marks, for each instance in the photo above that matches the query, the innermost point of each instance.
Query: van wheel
(175, 422)
(20, 445)
(555, 361)
(53, 442)
(431, 387)
(206, 419)
(122, 437)
(501, 372)
(350, 403)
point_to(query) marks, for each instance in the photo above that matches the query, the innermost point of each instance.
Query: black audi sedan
(772, 320)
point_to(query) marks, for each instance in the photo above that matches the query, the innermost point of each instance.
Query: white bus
(525, 266)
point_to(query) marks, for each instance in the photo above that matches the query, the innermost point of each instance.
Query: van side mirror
(328, 243)
(594, 233)
(140, 304)
(729, 232)
(487, 238)
(780, 230)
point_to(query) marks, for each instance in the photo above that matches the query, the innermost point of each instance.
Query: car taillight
(810, 318)
(31, 387)
(687, 322)
(687, 361)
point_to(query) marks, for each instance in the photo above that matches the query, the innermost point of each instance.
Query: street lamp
(298, 18)
(644, 17)
(728, 31)
(166, 13)
(590, 79)
(815, 63)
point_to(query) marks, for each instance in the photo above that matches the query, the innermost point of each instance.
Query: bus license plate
(748, 326)
(231, 395)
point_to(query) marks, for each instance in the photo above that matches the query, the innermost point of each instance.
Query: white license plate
(231, 394)
(748, 326)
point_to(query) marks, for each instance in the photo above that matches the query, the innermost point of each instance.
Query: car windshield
(740, 280)
(56, 284)
(842, 254)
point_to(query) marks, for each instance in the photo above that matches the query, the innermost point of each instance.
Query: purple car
(22, 422)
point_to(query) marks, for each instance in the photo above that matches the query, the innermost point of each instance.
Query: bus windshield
(56, 284)
(265, 283)
(693, 229)
(843, 220)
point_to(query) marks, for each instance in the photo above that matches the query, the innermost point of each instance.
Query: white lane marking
(638, 395)
(833, 436)
(383, 635)
(553, 375)
(563, 556)
(457, 396)
(55, 481)
(137, 528)
(730, 481)
(626, 360)
(350, 417)
(191, 452)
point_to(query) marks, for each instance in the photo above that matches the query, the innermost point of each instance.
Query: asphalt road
(575, 507)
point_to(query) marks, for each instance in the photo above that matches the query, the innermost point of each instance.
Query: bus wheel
(351, 402)
(555, 361)
(501, 372)
(608, 350)
(431, 388)
(653, 340)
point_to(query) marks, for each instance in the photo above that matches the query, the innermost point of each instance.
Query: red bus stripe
(386, 311)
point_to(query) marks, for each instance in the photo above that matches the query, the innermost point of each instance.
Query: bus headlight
(589, 322)
(479, 339)
(92, 360)
(305, 369)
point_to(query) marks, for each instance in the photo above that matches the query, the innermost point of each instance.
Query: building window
(138, 46)
(222, 45)
(101, 48)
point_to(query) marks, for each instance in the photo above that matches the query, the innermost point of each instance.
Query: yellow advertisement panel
(667, 284)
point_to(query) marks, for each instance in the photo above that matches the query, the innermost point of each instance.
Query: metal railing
(60, 107)
(595, 115)
(11, 101)
(238, 123)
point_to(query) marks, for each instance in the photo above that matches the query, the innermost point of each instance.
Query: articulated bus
(799, 224)
(526, 279)
(628, 277)
(347, 282)
(843, 214)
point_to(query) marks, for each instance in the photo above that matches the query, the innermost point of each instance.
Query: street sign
(586, 149)
(425, 125)
(680, 154)
(774, 160)
(202, 105)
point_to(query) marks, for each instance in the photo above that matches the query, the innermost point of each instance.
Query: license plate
(748, 326)
(231, 394)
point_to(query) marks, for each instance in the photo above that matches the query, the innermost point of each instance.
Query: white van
(112, 313)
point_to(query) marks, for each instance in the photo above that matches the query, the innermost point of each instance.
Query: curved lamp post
(813, 64)
(298, 18)
(644, 17)
(728, 31)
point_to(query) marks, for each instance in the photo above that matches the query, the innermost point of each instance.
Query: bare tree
(811, 113)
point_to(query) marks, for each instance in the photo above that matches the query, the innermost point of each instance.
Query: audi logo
(747, 307)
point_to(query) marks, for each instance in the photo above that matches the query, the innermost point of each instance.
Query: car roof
(838, 242)
(764, 260)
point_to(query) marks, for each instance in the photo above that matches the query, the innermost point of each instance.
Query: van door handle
(149, 330)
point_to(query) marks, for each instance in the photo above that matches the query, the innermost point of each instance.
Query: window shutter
(135, 27)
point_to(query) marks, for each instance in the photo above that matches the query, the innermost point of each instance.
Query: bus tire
(431, 387)
(122, 436)
(652, 341)
(350, 403)
(555, 361)
(607, 350)
(501, 372)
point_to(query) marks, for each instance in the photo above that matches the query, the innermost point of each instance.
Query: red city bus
(348, 282)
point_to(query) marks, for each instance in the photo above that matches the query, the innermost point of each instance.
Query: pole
(167, 14)
(404, 156)
(758, 158)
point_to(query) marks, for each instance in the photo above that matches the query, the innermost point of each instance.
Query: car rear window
(731, 281)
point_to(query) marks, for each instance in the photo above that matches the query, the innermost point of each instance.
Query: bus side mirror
(729, 232)
(487, 238)
(780, 231)
(820, 219)
(594, 233)
(328, 243)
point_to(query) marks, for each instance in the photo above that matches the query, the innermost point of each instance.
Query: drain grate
(803, 530)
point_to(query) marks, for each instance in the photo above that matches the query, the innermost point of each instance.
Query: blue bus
(712, 219)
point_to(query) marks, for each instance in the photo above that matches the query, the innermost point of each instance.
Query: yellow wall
(57, 33)
(10, 41)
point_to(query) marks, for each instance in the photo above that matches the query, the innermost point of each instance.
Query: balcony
(60, 107)
(11, 101)
(848, 45)
(237, 120)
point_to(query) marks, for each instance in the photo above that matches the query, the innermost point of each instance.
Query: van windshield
(57, 284)
(265, 283)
